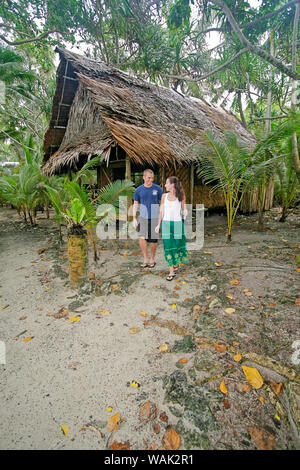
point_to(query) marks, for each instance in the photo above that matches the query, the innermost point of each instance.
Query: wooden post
(163, 176)
(192, 185)
(128, 168)
(99, 177)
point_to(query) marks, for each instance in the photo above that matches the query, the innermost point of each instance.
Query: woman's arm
(183, 208)
(161, 213)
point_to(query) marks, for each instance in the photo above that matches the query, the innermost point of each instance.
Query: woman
(170, 221)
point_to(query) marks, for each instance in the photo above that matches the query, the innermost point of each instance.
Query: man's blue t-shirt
(149, 199)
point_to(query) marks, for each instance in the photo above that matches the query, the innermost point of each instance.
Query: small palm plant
(74, 205)
(232, 168)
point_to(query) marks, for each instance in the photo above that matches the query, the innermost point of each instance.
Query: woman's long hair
(179, 192)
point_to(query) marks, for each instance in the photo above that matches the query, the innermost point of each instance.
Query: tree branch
(25, 41)
(256, 49)
(212, 72)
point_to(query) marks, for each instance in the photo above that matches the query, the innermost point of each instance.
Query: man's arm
(134, 212)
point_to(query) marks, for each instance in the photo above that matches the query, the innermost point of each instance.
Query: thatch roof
(96, 107)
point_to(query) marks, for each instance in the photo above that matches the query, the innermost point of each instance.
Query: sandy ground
(71, 373)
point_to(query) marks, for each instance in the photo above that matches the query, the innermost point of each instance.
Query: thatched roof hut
(100, 110)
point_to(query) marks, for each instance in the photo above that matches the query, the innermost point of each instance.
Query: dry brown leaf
(156, 428)
(262, 438)
(297, 302)
(113, 422)
(163, 417)
(171, 440)
(148, 411)
(220, 347)
(226, 404)
(277, 388)
(120, 445)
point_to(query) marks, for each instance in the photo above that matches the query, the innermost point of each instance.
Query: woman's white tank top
(172, 210)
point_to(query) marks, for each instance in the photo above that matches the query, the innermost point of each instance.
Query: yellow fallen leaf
(48, 287)
(115, 287)
(237, 357)
(109, 409)
(253, 376)
(208, 252)
(229, 310)
(229, 296)
(223, 388)
(143, 314)
(218, 264)
(261, 399)
(74, 319)
(298, 270)
(65, 429)
(134, 384)
(4, 306)
(134, 331)
(113, 422)
(297, 302)
(183, 282)
(164, 347)
(28, 339)
(235, 282)
(173, 305)
(106, 312)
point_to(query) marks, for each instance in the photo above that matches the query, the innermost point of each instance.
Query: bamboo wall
(201, 193)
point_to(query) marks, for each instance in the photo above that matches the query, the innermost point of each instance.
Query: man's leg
(144, 248)
(153, 247)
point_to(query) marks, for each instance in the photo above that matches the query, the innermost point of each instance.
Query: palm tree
(74, 205)
(232, 168)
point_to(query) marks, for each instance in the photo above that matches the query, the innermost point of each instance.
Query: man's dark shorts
(146, 229)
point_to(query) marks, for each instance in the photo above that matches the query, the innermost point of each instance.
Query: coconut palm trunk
(77, 255)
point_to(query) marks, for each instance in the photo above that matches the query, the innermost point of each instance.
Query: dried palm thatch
(96, 107)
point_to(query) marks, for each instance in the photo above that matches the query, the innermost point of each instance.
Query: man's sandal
(151, 265)
(170, 277)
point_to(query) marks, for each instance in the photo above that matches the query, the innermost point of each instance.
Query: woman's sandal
(170, 277)
(144, 265)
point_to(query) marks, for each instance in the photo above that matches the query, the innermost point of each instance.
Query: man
(147, 197)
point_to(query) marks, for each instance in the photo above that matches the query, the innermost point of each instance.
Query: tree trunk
(77, 256)
(295, 89)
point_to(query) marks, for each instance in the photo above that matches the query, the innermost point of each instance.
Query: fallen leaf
(177, 288)
(235, 282)
(4, 307)
(115, 287)
(272, 304)
(65, 429)
(134, 331)
(29, 338)
(109, 409)
(261, 399)
(253, 376)
(219, 324)
(208, 252)
(106, 312)
(229, 296)
(74, 319)
(183, 360)
(41, 251)
(173, 305)
(188, 299)
(23, 318)
(297, 302)
(171, 440)
(113, 422)
(134, 384)
(148, 411)
(223, 388)
(120, 445)
(220, 347)
(237, 357)
(218, 264)
(156, 428)
(164, 347)
(226, 404)
(183, 282)
(230, 310)
(163, 417)
(277, 388)
(262, 438)
(143, 314)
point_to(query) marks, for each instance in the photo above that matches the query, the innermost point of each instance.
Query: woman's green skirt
(174, 240)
